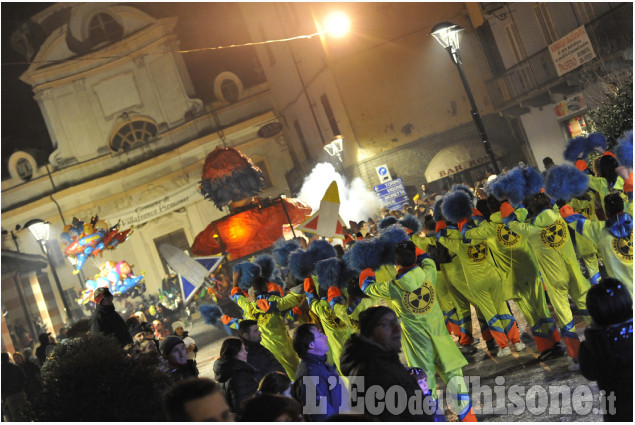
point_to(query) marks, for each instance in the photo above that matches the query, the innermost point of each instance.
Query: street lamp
(40, 231)
(335, 148)
(447, 34)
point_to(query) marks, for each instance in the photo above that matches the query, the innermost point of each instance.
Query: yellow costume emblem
(477, 253)
(623, 248)
(506, 237)
(421, 300)
(555, 235)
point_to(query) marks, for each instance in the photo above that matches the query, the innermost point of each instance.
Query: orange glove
(440, 226)
(309, 285)
(628, 184)
(237, 293)
(333, 292)
(225, 319)
(506, 209)
(462, 223)
(581, 164)
(263, 305)
(366, 273)
(296, 310)
(476, 212)
(566, 211)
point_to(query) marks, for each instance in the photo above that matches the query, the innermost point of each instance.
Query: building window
(265, 174)
(514, 42)
(25, 171)
(272, 58)
(230, 91)
(103, 27)
(177, 239)
(301, 138)
(545, 23)
(329, 115)
(133, 134)
(586, 12)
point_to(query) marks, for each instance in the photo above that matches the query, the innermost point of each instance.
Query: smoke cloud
(357, 202)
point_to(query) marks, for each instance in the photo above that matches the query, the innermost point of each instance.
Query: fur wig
(457, 206)
(211, 313)
(281, 250)
(248, 274)
(411, 222)
(564, 182)
(624, 150)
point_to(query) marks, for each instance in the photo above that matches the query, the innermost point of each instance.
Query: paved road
(530, 381)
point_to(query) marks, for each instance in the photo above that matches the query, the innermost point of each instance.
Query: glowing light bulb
(337, 24)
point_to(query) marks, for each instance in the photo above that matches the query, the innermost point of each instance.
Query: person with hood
(266, 311)
(190, 346)
(425, 341)
(105, 320)
(373, 354)
(613, 238)
(547, 234)
(606, 354)
(236, 376)
(258, 356)
(47, 343)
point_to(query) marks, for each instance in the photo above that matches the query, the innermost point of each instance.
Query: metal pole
(456, 58)
(57, 281)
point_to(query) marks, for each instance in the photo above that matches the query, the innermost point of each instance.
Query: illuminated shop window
(577, 126)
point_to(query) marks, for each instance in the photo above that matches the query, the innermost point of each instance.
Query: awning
(13, 261)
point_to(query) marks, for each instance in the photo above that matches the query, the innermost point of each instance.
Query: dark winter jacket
(606, 356)
(315, 368)
(41, 351)
(105, 320)
(33, 386)
(363, 357)
(237, 381)
(262, 360)
(13, 379)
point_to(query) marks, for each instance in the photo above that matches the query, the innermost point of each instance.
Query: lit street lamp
(447, 34)
(40, 231)
(335, 148)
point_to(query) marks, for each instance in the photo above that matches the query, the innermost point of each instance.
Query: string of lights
(202, 49)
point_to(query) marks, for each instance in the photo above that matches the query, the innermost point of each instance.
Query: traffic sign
(392, 193)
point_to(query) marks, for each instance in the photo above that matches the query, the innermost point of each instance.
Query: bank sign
(392, 194)
(571, 51)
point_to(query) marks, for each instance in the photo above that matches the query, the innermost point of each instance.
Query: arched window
(133, 134)
(103, 27)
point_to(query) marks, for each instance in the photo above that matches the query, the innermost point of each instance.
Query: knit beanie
(168, 344)
(368, 319)
(178, 324)
(135, 328)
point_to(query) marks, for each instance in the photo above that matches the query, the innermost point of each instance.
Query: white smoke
(357, 202)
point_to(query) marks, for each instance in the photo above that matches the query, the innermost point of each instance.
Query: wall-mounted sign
(571, 51)
(570, 106)
(383, 173)
(269, 130)
(392, 194)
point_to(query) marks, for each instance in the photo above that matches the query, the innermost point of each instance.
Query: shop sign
(571, 51)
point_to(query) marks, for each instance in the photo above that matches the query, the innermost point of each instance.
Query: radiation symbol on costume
(419, 301)
(506, 237)
(623, 248)
(555, 235)
(477, 253)
(586, 212)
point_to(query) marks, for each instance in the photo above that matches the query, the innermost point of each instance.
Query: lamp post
(447, 34)
(40, 231)
(335, 148)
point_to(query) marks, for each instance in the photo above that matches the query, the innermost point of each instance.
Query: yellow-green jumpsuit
(548, 236)
(425, 341)
(351, 313)
(521, 278)
(613, 239)
(275, 336)
(485, 284)
(335, 328)
(584, 248)
(601, 186)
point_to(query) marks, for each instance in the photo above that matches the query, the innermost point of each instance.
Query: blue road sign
(392, 193)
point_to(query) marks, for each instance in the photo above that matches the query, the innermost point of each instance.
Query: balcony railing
(609, 33)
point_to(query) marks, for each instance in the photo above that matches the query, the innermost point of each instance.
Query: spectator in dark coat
(47, 343)
(236, 376)
(258, 356)
(105, 320)
(374, 355)
(311, 345)
(165, 315)
(33, 386)
(174, 351)
(13, 384)
(606, 355)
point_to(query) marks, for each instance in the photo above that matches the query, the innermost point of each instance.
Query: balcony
(609, 34)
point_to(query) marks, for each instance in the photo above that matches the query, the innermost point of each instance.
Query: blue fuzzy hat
(281, 250)
(330, 272)
(411, 222)
(437, 210)
(211, 313)
(388, 239)
(564, 182)
(302, 263)
(533, 181)
(457, 206)
(624, 150)
(510, 186)
(575, 147)
(595, 140)
(367, 253)
(265, 261)
(389, 220)
(465, 189)
(347, 258)
(248, 274)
